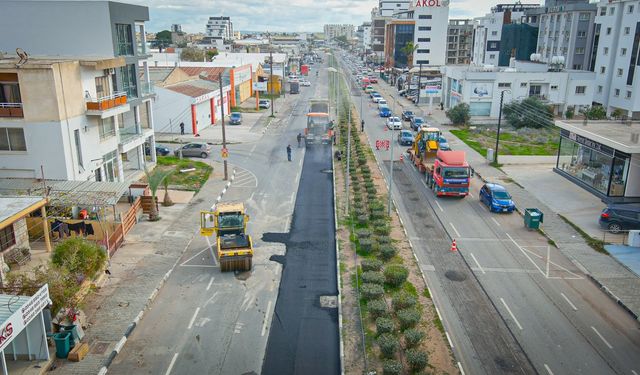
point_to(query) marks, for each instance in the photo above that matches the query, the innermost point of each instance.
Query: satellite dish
(23, 57)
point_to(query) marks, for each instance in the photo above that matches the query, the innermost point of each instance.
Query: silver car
(202, 150)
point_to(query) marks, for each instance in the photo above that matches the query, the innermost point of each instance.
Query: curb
(132, 326)
(335, 223)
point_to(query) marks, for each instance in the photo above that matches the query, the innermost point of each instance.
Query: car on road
(305, 83)
(384, 111)
(202, 150)
(405, 137)
(377, 99)
(264, 103)
(496, 197)
(619, 217)
(373, 94)
(160, 150)
(382, 102)
(235, 118)
(368, 88)
(443, 144)
(416, 122)
(394, 123)
(407, 115)
(373, 80)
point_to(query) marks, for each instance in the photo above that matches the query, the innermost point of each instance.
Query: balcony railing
(107, 102)
(147, 89)
(11, 110)
(128, 133)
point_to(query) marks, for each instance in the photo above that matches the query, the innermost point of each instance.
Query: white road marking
(438, 312)
(253, 149)
(460, 367)
(293, 196)
(264, 323)
(569, 302)
(548, 369)
(449, 339)
(173, 362)
(210, 283)
(455, 230)
(548, 259)
(471, 194)
(196, 254)
(193, 318)
(524, 253)
(511, 313)
(601, 337)
(495, 221)
(634, 373)
(439, 206)
(479, 266)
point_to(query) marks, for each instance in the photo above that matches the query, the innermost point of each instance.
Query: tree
(342, 39)
(154, 179)
(530, 112)
(617, 113)
(597, 112)
(460, 114)
(164, 36)
(211, 53)
(192, 54)
(408, 51)
(167, 200)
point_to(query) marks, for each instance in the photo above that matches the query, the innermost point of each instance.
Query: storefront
(600, 159)
(241, 84)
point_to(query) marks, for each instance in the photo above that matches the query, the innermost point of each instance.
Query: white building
(480, 87)
(333, 31)
(617, 45)
(431, 22)
(366, 36)
(220, 28)
(488, 31)
(387, 8)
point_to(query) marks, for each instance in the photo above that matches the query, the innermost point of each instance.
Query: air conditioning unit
(110, 71)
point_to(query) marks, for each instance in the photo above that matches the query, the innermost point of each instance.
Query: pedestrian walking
(362, 126)
(299, 139)
(441, 106)
(289, 152)
(182, 128)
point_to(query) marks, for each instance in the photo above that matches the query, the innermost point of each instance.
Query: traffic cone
(454, 247)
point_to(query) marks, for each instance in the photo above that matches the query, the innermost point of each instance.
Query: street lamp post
(348, 159)
(391, 158)
(495, 156)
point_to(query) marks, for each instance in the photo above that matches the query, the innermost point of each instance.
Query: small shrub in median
(373, 277)
(371, 190)
(371, 291)
(388, 344)
(369, 184)
(384, 325)
(382, 230)
(395, 274)
(365, 244)
(371, 265)
(363, 219)
(377, 308)
(403, 300)
(387, 252)
(408, 318)
(377, 215)
(417, 359)
(391, 367)
(383, 240)
(412, 337)
(363, 233)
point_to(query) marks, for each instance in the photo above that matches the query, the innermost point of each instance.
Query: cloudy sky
(280, 15)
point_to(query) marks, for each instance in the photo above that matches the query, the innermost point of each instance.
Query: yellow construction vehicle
(229, 222)
(425, 147)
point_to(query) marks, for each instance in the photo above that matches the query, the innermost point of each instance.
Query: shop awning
(67, 193)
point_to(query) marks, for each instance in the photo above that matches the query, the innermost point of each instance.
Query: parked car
(497, 198)
(407, 115)
(416, 122)
(235, 118)
(405, 137)
(394, 123)
(382, 102)
(384, 111)
(443, 144)
(377, 99)
(373, 94)
(202, 150)
(373, 80)
(160, 150)
(305, 83)
(619, 217)
(264, 103)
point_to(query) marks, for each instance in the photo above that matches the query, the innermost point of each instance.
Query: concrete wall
(169, 109)
(437, 46)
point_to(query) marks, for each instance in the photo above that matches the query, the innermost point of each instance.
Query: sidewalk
(614, 278)
(137, 269)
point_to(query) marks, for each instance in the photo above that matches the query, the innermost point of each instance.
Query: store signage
(20, 318)
(587, 142)
(430, 3)
(260, 86)
(6, 333)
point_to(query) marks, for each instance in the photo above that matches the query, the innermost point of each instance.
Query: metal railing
(128, 133)
(11, 110)
(147, 88)
(106, 102)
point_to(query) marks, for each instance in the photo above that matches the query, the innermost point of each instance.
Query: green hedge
(377, 308)
(371, 265)
(388, 344)
(403, 300)
(384, 325)
(395, 274)
(373, 277)
(408, 318)
(371, 291)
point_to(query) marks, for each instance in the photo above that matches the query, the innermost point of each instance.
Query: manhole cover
(326, 171)
(99, 347)
(455, 276)
(505, 364)
(329, 302)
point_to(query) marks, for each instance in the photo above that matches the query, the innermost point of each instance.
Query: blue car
(385, 112)
(235, 118)
(443, 144)
(497, 198)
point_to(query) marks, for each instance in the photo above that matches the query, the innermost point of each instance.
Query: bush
(388, 344)
(412, 337)
(530, 112)
(403, 300)
(387, 252)
(372, 190)
(363, 219)
(383, 240)
(408, 318)
(377, 215)
(371, 291)
(377, 308)
(395, 274)
(365, 244)
(384, 325)
(371, 265)
(373, 277)
(460, 114)
(382, 230)
(363, 233)
(597, 112)
(391, 367)
(362, 160)
(80, 257)
(417, 359)
(369, 184)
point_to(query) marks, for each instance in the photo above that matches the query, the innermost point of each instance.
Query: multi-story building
(399, 33)
(565, 29)
(220, 28)
(459, 41)
(84, 116)
(366, 36)
(488, 31)
(378, 26)
(388, 8)
(176, 28)
(333, 31)
(431, 30)
(616, 50)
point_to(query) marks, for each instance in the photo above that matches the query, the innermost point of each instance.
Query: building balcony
(147, 89)
(132, 136)
(108, 106)
(11, 110)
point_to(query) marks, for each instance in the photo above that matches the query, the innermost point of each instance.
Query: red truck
(304, 70)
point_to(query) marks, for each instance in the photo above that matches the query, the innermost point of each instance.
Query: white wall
(171, 108)
(438, 34)
(633, 180)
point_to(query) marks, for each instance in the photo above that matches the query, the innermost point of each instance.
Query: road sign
(225, 153)
(260, 86)
(382, 144)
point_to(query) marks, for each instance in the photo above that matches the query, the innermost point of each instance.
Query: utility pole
(495, 156)
(224, 136)
(391, 169)
(348, 159)
(419, 84)
(271, 74)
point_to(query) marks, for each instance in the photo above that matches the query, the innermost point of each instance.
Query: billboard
(481, 89)
(260, 86)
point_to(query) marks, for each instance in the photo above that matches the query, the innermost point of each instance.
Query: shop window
(619, 176)
(587, 165)
(7, 237)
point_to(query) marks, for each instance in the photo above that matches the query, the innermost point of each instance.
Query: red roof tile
(208, 73)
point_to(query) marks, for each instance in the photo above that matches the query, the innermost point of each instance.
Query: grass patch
(438, 323)
(426, 293)
(596, 244)
(244, 109)
(410, 288)
(545, 143)
(193, 180)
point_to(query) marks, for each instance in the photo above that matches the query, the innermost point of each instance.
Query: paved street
(506, 284)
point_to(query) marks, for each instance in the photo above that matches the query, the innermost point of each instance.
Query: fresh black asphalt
(304, 337)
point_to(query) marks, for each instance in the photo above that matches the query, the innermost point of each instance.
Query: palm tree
(408, 51)
(167, 201)
(154, 179)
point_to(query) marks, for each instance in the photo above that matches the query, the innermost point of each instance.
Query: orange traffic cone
(454, 247)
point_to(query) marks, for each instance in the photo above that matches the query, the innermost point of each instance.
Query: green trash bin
(74, 334)
(532, 218)
(62, 344)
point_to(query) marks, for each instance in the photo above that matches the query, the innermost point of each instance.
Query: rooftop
(195, 88)
(13, 205)
(65, 193)
(610, 133)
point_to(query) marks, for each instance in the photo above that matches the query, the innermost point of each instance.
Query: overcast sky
(281, 15)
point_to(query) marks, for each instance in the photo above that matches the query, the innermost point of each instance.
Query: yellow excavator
(425, 147)
(229, 222)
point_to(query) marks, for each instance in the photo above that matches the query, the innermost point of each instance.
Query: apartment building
(79, 106)
(616, 50)
(366, 36)
(378, 29)
(333, 31)
(389, 8)
(220, 28)
(431, 28)
(459, 41)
